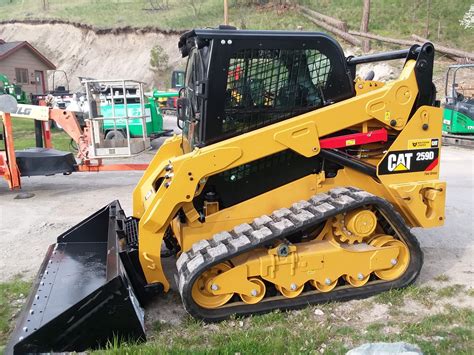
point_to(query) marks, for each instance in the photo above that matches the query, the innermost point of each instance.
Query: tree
(158, 59)
(159, 65)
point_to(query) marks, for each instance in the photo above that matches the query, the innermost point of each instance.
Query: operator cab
(258, 78)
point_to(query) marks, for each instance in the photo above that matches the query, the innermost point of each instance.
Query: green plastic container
(154, 119)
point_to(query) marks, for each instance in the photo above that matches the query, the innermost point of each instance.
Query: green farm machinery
(15, 90)
(167, 100)
(458, 115)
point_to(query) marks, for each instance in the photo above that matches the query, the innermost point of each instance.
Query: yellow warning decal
(419, 143)
(350, 142)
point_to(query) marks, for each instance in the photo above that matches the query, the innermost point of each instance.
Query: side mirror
(182, 107)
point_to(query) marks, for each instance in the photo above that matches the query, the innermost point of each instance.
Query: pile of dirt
(83, 51)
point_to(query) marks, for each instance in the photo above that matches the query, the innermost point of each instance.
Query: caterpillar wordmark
(293, 182)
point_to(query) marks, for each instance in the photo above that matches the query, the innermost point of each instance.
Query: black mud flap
(82, 297)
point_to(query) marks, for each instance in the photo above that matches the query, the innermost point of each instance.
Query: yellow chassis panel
(314, 260)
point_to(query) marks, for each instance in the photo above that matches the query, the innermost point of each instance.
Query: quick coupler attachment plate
(82, 297)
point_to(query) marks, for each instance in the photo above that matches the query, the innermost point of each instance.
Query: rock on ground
(385, 349)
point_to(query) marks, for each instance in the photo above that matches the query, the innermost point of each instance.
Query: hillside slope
(82, 52)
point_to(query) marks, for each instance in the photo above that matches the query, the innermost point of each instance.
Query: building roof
(8, 48)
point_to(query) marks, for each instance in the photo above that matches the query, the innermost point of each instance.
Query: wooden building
(25, 65)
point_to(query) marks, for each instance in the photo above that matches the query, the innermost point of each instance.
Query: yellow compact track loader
(293, 182)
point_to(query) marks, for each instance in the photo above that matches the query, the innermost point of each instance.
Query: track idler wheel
(400, 264)
(201, 290)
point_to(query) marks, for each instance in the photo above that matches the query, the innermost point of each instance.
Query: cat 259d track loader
(293, 182)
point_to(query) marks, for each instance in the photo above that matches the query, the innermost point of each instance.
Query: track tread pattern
(278, 225)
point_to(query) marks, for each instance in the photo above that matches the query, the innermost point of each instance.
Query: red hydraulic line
(379, 135)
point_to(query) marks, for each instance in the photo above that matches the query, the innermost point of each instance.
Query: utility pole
(226, 12)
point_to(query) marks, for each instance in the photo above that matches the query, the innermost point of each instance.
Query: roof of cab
(228, 32)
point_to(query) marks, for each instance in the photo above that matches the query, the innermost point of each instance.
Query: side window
(21, 75)
(266, 86)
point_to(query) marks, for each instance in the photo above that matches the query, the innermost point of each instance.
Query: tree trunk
(451, 52)
(427, 32)
(401, 42)
(364, 25)
(446, 50)
(334, 22)
(344, 35)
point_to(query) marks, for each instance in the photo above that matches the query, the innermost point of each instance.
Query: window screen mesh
(266, 86)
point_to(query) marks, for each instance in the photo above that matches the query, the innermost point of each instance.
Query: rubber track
(281, 224)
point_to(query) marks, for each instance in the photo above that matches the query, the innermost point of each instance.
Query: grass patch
(396, 297)
(450, 291)
(345, 330)
(10, 293)
(24, 136)
(268, 319)
(373, 332)
(470, 292)
(449, 332)
(442, 278)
